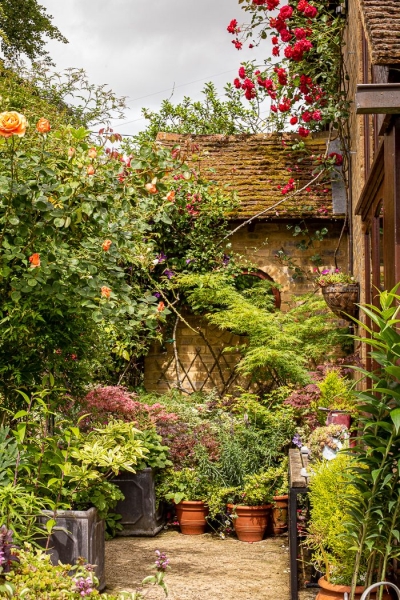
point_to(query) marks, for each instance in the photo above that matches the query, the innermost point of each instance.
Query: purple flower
(160, 258)
(297, 440)
(162, 561)
(157, 294)
(325, 272)
(226, 259)
(188, 261)
(168, 273)
(84, 586)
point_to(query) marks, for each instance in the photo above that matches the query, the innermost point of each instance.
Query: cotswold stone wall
(205, 366)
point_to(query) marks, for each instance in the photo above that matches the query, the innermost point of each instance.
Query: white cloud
(140, 47)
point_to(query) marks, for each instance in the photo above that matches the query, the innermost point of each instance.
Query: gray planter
(78, 533)
(138, 510)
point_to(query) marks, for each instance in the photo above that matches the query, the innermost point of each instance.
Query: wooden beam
(378, 98)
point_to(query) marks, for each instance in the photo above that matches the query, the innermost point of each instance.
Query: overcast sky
(142, 47)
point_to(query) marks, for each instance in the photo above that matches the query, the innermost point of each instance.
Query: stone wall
(204, 366)
(353, 56)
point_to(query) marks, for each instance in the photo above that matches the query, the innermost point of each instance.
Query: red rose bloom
(338, 158)
(236, 83)
(284, 105)
(293, 120)
(274, 40)
(286, 36)
(300, 33)
(310, 11)
(286, 12)
(242, 72)
(232, 26)
(303, 132)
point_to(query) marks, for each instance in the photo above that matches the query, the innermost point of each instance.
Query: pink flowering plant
(332, 277)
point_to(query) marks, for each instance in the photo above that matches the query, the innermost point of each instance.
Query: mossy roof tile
(253, 166)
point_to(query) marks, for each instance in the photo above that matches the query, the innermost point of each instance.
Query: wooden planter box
(342, 298)
(140, 515)
(78, 533)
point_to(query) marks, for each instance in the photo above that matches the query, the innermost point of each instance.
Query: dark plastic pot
(78, 533)
(140, 516)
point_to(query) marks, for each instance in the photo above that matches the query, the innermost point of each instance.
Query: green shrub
(331, 494)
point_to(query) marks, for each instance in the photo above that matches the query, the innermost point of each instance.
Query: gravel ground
(203, 567)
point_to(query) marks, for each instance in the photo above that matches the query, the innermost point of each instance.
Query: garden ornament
(377, 585)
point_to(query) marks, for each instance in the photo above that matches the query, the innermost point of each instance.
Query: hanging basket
(342, 299)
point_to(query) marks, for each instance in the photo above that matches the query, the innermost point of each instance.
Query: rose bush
(81, 240)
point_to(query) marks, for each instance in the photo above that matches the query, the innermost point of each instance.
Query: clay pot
(192, 517)
(342, 298)
(280, 514)
(330, 591)
(251, 521)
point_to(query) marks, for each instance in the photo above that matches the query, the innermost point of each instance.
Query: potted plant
(188, 490)
(331, 496)
(280, 500)
(340, 292)
(326, 441)
(251, 505)
(336, 401)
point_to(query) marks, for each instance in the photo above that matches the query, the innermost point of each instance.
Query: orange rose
(92, 152)
(12, 123)
(106, 245)
(71, 152)
(160, 306)
(34, 260)
(171, 196)
(105, 291)
(90, 170)
(43, 125)
(151, 188)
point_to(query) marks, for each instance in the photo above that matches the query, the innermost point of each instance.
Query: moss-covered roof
(382, 25)
(254, 166)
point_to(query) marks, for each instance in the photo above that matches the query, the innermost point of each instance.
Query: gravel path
(203, 567)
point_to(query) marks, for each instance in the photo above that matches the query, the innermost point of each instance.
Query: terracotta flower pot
(342, 298)
(192, 517)
(330, 591)
(280, 514)
(251, 521)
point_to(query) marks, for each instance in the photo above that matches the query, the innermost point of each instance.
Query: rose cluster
(291, 31)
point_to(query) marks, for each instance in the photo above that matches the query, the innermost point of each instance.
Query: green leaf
(395, 416)
(20, 413)
(32, 282)
(50, 524)
(59, 222)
